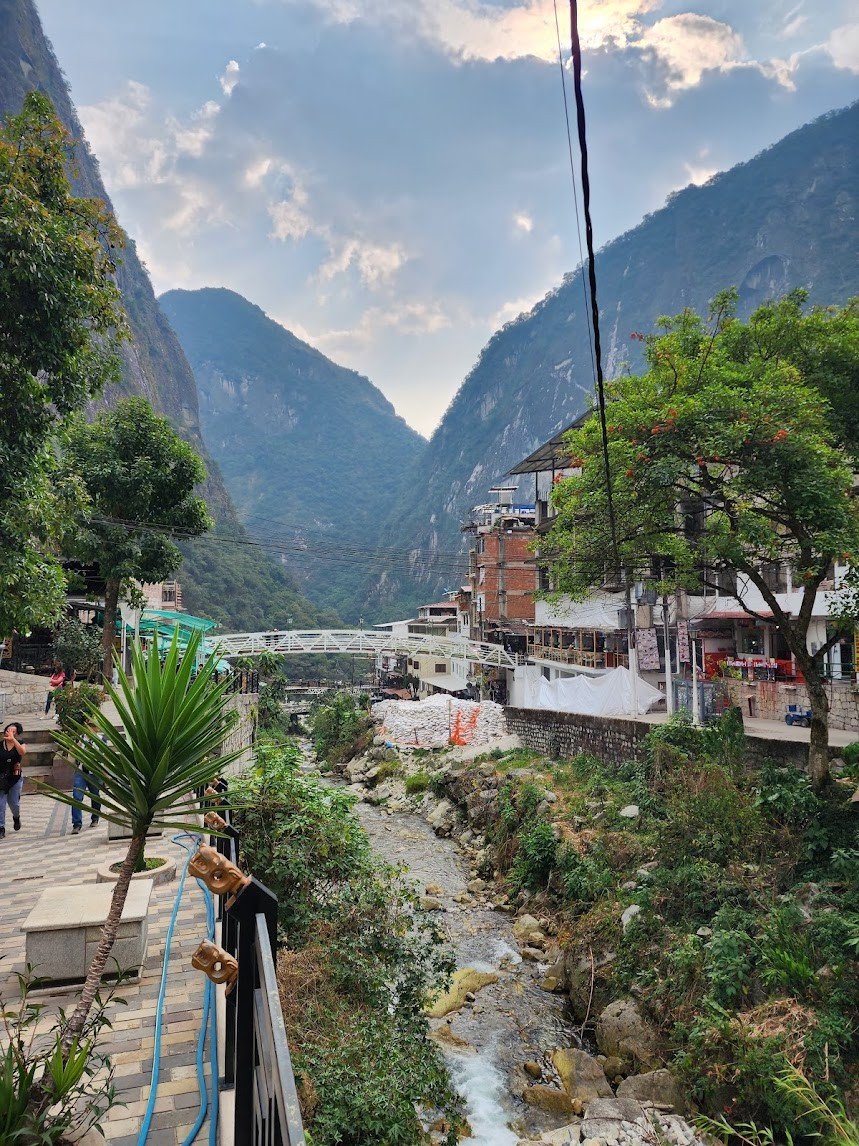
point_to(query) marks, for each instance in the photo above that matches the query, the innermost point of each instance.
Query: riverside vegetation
(722, 902)
(357, 961)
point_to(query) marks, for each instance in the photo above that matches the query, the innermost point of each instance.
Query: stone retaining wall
(242, 736)
(21, 693)
(769, 700)
(615, 739)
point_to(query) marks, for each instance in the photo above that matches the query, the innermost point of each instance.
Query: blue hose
(209, 1019)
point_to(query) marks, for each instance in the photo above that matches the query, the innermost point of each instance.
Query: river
(511, 1021)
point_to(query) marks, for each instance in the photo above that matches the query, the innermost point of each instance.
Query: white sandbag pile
(440, 720)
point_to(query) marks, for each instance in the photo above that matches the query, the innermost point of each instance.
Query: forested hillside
(230, 581)
(788, 218)
(312, 453)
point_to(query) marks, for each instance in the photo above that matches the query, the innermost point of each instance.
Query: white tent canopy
(607, 695)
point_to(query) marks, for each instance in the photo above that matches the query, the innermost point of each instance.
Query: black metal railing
(257, 1062)
(240, 680)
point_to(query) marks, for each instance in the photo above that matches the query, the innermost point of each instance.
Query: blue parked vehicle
(798, 715)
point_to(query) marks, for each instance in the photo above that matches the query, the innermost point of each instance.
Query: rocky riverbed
(515, 1053)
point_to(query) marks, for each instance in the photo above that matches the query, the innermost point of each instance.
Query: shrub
(46, 1096)
(708, 816)
(534, 858)
(419, 782)
(78, 647)
(75, 704)
(337, 725)
(784, 794)
(360, 964)
(850, 756)
(387, 769)
(585, 878)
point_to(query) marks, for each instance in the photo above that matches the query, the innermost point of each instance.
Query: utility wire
(592, 274)
(368, 560)
(575, 192)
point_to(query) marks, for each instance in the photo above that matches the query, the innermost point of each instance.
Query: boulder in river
(449, 1038)
(548, 1098)
(658, 1087)
(623, 1031)
(442, 817)
(582, 1076)
(523, 927)
(465, 981)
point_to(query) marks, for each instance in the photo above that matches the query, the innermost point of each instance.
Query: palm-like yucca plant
(174, 724)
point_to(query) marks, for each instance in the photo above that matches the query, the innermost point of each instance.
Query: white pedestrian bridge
(367, 642)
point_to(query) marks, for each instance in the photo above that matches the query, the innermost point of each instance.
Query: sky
(389, 179)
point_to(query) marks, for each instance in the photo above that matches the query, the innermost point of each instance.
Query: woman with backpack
(12, 753)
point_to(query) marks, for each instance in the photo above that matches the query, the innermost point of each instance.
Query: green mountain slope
(230, 581)
(310, 451)
(787, 218)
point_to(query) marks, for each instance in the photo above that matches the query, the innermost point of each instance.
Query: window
(441, 668)
(775, 575)
(752, 642)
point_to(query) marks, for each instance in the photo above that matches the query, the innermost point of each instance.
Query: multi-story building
(592, 635)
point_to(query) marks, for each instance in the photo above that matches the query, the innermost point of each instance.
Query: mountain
(787, 218)
(229, 580)
(310, 451)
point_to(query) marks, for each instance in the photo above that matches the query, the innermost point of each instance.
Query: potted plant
(175, 721)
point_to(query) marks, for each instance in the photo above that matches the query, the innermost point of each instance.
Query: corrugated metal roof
(446, 680)
(552, 455)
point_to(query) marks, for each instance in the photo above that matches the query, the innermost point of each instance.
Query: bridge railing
(366, 642)
(257, 1062)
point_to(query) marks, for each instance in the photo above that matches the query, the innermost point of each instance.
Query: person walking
(12, 753)
(84, 781)
(58, 679)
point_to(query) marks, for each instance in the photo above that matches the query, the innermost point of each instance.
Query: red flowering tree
(726, 455)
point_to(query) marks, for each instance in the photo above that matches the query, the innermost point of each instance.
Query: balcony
(585, 648)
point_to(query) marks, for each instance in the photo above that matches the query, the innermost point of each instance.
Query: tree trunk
(108, 936)
(108, 637)
(818, 749)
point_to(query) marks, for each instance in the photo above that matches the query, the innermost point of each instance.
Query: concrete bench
(64, 928)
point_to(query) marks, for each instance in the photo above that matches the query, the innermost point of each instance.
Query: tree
(140, 478)
(60, 318)
(174, 724)
(724, 456)
(78, 647)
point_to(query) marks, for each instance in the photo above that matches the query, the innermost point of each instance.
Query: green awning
(180, 620)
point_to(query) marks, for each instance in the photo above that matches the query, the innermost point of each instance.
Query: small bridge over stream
(362, 642)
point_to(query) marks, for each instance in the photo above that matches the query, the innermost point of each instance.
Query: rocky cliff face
(154, 365)
(312, 453)
(787, 218)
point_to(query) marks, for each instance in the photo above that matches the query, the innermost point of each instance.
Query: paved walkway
(45, 852)
(775, 730)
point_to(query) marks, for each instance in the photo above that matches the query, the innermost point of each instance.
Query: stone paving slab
(44, 854)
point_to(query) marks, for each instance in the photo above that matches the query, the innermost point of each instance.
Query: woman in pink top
(58, 679)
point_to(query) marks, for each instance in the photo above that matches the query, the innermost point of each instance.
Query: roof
(446, 680)
(178, 620)
(552, 455)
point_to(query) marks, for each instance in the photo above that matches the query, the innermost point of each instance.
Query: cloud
(843, 46)
(472, 30)
(392, 176)
(289, 217)
(376, 263)
(412, 319)
(230, 77)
